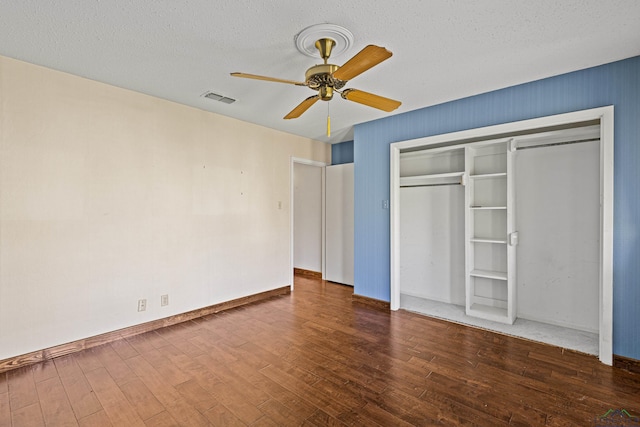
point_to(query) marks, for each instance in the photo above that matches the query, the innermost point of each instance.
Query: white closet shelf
(489, 175)
(488, 240)
(475, 207)
(489, 312)
(428, 179)
(487, 274)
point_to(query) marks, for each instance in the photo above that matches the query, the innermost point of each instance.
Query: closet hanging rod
(552, 144)
(430, 185)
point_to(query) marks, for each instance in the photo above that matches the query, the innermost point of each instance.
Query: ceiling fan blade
(368, 57)
(302, 107)
(268, 79)
(375, 101)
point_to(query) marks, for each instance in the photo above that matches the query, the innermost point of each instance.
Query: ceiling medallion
(306, 39)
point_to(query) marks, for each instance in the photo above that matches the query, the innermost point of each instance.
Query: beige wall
(108, 196)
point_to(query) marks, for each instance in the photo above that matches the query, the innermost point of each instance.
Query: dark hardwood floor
(315, 358)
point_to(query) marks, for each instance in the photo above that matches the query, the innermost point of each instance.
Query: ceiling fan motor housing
(319, 77)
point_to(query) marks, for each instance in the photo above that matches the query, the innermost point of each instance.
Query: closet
(458, 233)
(504, 227)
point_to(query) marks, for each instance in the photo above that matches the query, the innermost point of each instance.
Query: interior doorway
(307, 216)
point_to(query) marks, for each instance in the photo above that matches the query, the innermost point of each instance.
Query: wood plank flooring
(314, 358)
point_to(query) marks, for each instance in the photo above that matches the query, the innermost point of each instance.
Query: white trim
(605, 115)
(606, 236)
(308, 162)
(395, 226)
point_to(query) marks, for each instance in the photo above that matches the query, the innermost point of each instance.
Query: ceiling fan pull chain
(328, 121)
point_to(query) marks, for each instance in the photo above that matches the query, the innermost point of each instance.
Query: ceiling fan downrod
(324, 46)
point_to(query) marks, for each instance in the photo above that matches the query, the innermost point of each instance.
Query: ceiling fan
(329, 78)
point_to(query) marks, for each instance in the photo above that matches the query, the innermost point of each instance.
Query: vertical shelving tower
(490, 233)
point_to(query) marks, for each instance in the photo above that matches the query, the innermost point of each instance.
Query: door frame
(605, 117)
(308, 162)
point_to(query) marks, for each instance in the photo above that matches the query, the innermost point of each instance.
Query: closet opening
(509, 228)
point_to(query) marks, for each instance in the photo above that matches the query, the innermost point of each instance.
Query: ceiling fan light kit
(329, 78)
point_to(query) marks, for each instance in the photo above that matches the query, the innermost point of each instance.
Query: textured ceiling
(443, 49)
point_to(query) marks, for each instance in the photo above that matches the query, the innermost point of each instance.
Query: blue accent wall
(615, 84)
(342, 153)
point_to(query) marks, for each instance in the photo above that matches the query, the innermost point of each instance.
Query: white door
(339, 224)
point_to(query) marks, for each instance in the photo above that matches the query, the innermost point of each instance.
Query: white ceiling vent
(217, 97)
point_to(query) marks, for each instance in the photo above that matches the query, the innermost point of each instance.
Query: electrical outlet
(164, 300)
(142, 304)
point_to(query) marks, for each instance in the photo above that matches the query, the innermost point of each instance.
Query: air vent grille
(217, 97)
